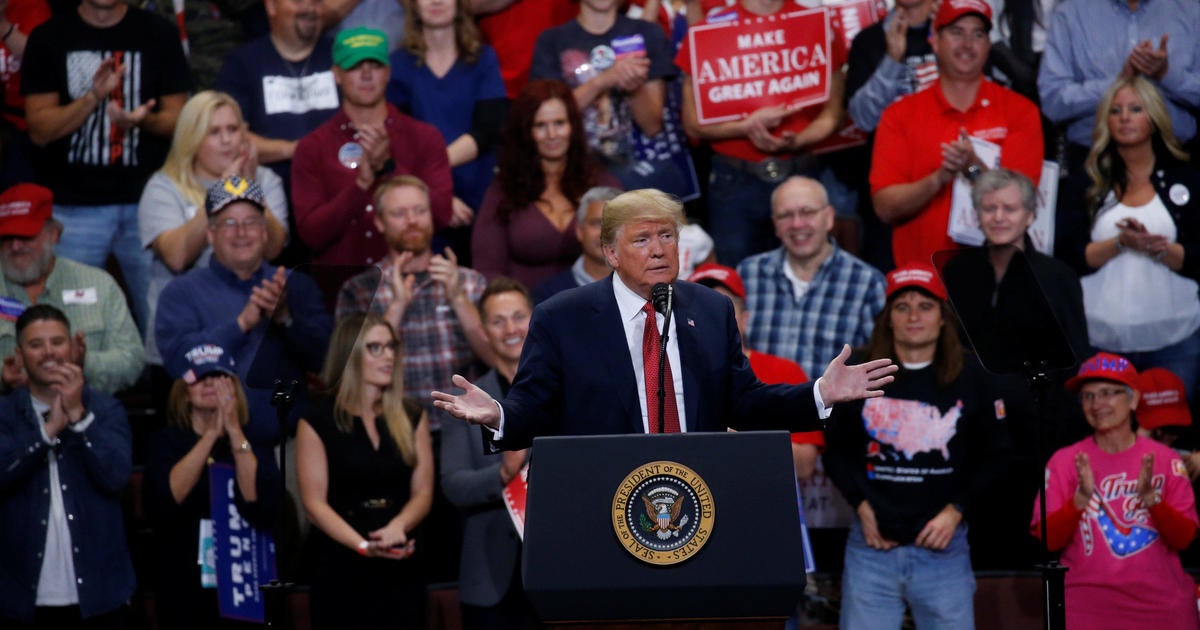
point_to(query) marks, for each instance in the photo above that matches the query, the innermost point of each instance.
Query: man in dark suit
(584, 370)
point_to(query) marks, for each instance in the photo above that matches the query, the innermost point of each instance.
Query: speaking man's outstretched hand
(843, 383)
(473, 405)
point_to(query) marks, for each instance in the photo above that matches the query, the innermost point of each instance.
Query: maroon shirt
(333, 215)
(528, 247)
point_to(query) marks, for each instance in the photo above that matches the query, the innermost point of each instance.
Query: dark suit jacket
(470, 479)
(576, 375)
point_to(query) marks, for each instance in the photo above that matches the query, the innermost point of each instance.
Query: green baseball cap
(356, 45)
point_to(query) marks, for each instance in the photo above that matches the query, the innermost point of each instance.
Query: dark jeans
(67, 618)
(513, 612)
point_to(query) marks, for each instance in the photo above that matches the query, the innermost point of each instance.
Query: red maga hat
(1105, 367)
(915, 275)
(24, 209)
(712, 273)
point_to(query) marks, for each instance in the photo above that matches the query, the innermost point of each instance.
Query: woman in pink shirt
(1120, 508)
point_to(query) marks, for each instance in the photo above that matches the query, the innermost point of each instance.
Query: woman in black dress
(365, 484)
(206, 411)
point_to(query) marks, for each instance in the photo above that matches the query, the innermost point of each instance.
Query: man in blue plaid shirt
(808, 297)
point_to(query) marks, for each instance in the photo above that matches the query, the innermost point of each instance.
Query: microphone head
(660, 295)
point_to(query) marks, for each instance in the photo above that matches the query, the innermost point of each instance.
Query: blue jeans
(90, 233)
(1182, 358)
(939, 586)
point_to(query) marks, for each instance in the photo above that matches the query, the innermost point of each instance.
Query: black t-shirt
(99, 163)
(918, 448)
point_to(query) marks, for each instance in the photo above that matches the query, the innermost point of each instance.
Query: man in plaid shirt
(427, 298)
(808, 297)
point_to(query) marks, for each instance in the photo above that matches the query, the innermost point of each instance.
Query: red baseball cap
(24, 209)
(951, 10)
(915, 275)
(1105, 367)
(712, 273)
(1164, 400)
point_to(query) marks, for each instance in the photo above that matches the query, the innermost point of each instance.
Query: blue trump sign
(245, 557)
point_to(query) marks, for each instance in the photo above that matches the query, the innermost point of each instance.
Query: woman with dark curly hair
(526, 226)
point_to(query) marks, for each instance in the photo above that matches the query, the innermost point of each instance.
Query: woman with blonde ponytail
(364, 462)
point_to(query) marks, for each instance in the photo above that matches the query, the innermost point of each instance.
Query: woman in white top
(1142, 302)
(210, 144)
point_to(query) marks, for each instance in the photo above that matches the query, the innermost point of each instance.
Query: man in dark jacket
(65, 456)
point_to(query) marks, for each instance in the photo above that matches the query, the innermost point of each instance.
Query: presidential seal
(662, 513)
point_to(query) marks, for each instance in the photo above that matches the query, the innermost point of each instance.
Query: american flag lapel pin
(691, 322)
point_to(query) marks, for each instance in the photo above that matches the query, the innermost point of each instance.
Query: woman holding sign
(1145, 239)
(762, 127)
(206, 411)
(364, 463)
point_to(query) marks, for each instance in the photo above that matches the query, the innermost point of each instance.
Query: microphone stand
(1053, 572)
(662, 362)
(276, 591)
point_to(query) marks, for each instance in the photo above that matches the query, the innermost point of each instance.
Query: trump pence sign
(739, 66)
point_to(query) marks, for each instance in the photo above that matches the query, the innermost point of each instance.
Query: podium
(653, 529)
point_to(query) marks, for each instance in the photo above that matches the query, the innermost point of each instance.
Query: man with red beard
(335, 168)
(427, 298)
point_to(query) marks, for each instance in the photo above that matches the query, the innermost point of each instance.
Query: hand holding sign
(741, 67)
(759, 125)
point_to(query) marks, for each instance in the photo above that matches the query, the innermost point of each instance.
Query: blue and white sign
(245, 557)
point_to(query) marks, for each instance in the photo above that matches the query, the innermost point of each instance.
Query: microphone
(662, 294)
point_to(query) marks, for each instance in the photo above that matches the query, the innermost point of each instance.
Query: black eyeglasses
(375, 348)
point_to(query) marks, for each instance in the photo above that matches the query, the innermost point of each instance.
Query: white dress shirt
(633, 319)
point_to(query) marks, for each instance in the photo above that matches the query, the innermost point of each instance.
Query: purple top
(528, 248)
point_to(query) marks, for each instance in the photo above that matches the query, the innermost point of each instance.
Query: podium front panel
(751, 564)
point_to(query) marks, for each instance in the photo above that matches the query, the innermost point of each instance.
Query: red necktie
(650, 349)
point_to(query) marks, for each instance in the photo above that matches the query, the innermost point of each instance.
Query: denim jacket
(93, 466)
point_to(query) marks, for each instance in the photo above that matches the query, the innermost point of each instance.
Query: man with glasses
(923, 141)
(271, 321)
(809, 297)
(105, 344)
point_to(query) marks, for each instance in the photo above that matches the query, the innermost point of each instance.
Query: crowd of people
(302, 218)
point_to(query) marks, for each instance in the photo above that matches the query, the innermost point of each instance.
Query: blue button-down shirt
(838, 308)
(1088, 44)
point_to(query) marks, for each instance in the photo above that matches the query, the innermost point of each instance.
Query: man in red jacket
(336, 167)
